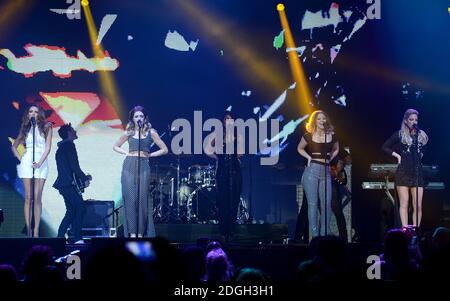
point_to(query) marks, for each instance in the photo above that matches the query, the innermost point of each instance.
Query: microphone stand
(178, 219)
(32, 219)
(417, 161)
(250, 204)
(230, 219)
(138, 180)
(325, 190)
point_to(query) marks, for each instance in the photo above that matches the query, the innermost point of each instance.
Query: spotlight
(280, 6)
(84, 2)
(448, 9)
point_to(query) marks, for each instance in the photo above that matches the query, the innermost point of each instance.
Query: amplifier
(98, 218)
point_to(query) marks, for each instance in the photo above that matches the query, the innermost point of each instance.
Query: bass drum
(185, 192)
(202, 206)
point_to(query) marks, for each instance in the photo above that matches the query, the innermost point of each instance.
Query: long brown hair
(41, 122)
(311, 125)
(146, 127)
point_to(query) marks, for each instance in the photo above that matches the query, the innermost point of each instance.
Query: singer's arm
(15, 145)
(389, 144)
(334, 151)
(210, 146)
(118, 145)
(240, 146)
(162, 146)
(301, 150)
(48, 146)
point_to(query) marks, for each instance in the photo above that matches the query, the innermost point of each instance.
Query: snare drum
(185, 192)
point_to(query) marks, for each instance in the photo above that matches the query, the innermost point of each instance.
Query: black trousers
(75, 211)
(336, 206)
(229, 188)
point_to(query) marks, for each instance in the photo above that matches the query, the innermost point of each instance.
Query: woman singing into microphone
(138, 218)
(27, 170)
(408, 175)
(323, 147)
(227, 150)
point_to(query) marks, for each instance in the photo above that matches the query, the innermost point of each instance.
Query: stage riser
(189, 233)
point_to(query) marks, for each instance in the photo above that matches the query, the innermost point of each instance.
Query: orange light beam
(302, 89)
(107, 81)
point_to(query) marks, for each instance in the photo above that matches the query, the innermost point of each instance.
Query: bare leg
(403, 195)
(38, 205)
(27, 203)
(417, 214)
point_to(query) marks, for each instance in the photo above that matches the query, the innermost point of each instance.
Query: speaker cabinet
(98, 218)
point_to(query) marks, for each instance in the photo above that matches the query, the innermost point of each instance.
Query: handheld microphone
(139, 123)
(33, 121)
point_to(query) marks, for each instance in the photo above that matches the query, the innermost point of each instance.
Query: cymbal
(161, 167)
(164, 166)
(210, 166)
(153, 183)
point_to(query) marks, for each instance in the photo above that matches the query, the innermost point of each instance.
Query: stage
(288, 119)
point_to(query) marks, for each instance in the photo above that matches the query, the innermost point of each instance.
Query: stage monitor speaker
(432, 209)
(97, 220)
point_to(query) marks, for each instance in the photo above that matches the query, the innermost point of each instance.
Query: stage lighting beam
(237, 47)
(107, 82)
(302, 89)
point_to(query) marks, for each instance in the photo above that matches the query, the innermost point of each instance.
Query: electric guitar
(338, 177)
(80, 185)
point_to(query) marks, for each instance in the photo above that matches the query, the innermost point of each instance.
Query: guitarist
(69, 170)
(339, 190)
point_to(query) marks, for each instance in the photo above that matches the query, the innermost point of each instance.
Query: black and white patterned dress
(134, 206)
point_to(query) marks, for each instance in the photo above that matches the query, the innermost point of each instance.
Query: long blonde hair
(405, 134)
(311, 125)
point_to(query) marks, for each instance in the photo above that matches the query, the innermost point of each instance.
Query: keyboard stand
(397, 220)
(386, 190)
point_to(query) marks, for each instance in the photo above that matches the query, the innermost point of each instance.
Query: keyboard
(383, 170)
(382, 185)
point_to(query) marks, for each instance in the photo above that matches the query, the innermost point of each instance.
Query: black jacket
(68, 165)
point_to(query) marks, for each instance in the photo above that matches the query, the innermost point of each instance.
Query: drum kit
(187, 196)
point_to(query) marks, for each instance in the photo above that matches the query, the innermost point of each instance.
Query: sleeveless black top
(319, 150)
